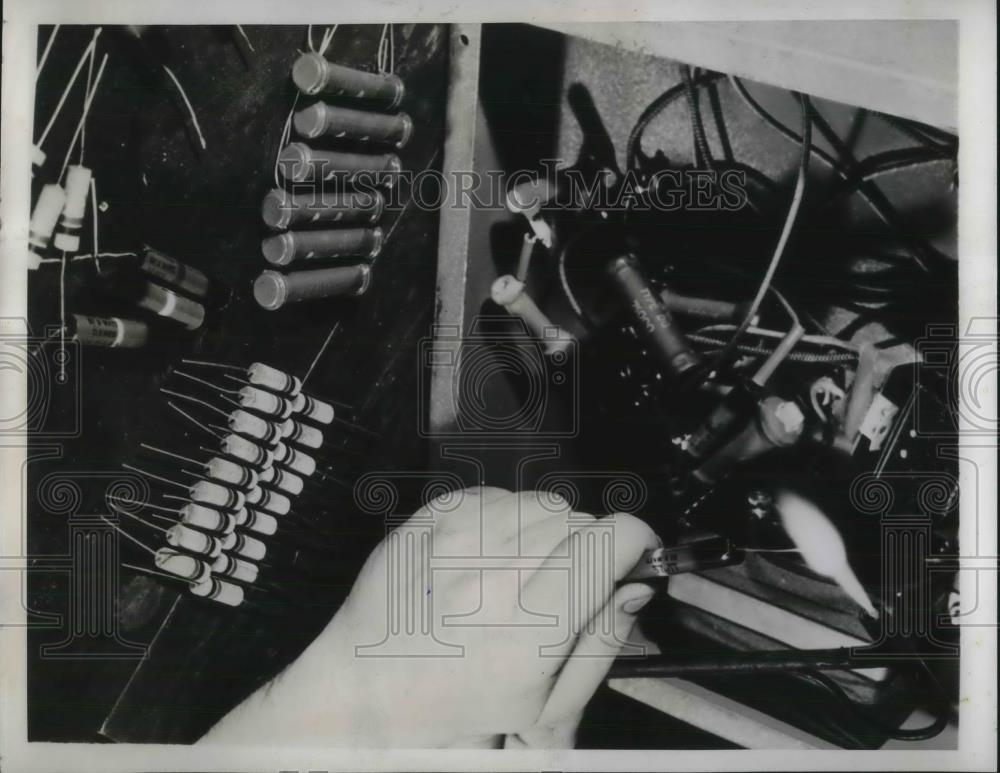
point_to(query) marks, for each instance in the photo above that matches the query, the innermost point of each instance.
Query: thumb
(586, 667)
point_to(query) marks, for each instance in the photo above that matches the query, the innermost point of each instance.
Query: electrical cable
(45, 53)
(702, 152)
(803, 357)
(928, 135)
(719, 118)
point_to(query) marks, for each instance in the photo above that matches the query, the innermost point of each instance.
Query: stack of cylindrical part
(335, 207)
(247, 488)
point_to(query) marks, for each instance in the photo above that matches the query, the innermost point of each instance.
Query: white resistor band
(274, 379)
(248, 547)
(230, 472)
(248, 424)
(237, 568)
(316, 410)
(265, 402)
(206, 492)
(217, 590)
(262, 523)
(184, 566)
(247, 450)
(293, 459)
(50, 204)
(181, 536)
(296, 432)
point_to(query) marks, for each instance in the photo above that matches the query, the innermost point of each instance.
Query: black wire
(702, 152)
(720, 122)
(931, 730)
(888, 161)
(921, 132)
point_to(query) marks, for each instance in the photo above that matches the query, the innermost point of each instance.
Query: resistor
(183, 537)
(166, 303)
(314, 74)
(172, 271)
(282, 479)
(230, 472)
(281, 209)
(209, 493)
(347, 123)
(265, 402)
(276, 380)
(207, 518)
(273, 290)
(311, 408)
(296, 432)
(246, 450)
(236, 568)
(262, 523)
(269, 500)
(77, 189)
(112, 332)
(249, 547)
(301, 164)
(281, 249)
(184, 566)
(294, 459)
(247, 424)
(49, 206)
(217, 590)
(508, 291)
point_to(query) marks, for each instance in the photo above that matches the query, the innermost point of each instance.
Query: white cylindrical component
(248, 451)
(217, 590)
(508, 291)
(298, 403)
(181, 536)
(77, 188)
(184, 566)
(288, 481)
(262, 523)
(240, 516)
(274, 379)
(248, 547)
(268, 474)
(317, 410)
(237, 568)
(228, 541)
(230, 472)
(37, 157)
(275, 502)
(265, 402)
(209, 493)
(297, 432)
(302, 463)
(43, 219)
(248, 424)
(281, 452)
(202, 517)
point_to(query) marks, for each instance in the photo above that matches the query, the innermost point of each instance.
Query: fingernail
(634, 605)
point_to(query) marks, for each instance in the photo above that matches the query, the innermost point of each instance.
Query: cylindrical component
(49, 206)
(254, 426)
(262, 523)
(296, 432)
(248, 547)
(186, 538)
(169, 304)
(228, 540)
(316, 410)
(508, 291)
(345, 122)
(230, 472)
(276, 380)
(725, 419)
(209, 493)
(217, 590)
(778, 424)
(301, 164)
(694, 556)
(265, 402)
(108, 331)
(236, 568)
(251, 453)
(77, 188)
(282, 209)
(269, 500)
(781, 351)
(295, 460)
(206, 518)
(273, 290)
(653, 320)
(281, 249)
(313, 74)
(173, 272)
(240, 516)
(707, 309)
(184, 566)
(285, 480)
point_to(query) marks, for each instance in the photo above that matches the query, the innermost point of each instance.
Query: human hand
(507, 625)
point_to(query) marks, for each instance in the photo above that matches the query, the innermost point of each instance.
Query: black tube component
(300, 163)
(709, 552)
(653, 320)
(273, 290)
(313, 74)
(172, 271)
(346, 123)
(282, 209)
(281, 249)
(707, 309)
(680, 663)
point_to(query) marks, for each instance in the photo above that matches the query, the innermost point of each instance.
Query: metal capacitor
(322, 119)
(314, 74)
(282, 209)
(273, 290)
(113, 332)
(173, 272)
(281, 249)
(299, 163)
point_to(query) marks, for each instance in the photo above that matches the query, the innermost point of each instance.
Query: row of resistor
(240, 495)
(335, 205)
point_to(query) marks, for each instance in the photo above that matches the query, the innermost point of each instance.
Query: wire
(803, 357)
(62, 100)
(90, 86)
(45, 53)
(702, 152)
(719, 118)
(83, 117)
(786, 232)
(187, 102)
(243, 34)
(286, 133)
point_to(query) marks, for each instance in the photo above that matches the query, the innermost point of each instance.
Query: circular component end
(275, 209)
(366, 280)
(294, 162)
(279, 249)
(269, 290)
(506, 290)
(309, 73)
(398, 88)
(378, 239)
(310, 122)
(407, 130)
